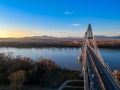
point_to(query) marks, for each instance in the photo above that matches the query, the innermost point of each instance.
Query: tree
(17, 79)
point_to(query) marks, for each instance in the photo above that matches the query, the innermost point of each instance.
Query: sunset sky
(60, 18)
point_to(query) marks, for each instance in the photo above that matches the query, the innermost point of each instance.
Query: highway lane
(96, 82)
(108, 81)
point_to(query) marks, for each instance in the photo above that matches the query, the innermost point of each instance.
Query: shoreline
(114, 44)
(102, 47)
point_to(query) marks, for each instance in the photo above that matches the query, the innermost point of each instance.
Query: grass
(7, 87)
(55, 81)
(76, 83)
(67, 88)
(62, 76)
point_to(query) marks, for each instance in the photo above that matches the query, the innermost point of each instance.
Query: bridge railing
(84, 63)
(108, 70)
(103, 63)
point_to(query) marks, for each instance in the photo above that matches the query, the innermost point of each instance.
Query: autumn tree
(17, 79)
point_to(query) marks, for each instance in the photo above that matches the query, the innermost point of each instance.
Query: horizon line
(59, 36)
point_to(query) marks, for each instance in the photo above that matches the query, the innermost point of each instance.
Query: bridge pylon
(89, 32)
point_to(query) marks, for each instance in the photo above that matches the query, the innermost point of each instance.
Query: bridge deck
(97, 75)
(93, 74)
(107, 79)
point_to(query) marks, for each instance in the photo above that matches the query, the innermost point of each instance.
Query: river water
(65, 57)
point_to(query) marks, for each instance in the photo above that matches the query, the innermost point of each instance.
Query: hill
(45, 37)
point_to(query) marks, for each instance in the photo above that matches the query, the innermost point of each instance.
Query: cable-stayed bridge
(97, 75)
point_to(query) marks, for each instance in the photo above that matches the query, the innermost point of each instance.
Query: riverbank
(40, 73)
(54, 43)
(53, 85)
(17, 71)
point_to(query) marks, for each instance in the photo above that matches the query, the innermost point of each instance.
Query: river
(65, 57)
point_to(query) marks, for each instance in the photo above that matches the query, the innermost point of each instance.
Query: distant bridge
(97, 75)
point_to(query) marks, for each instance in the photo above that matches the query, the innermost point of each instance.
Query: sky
(59, 18)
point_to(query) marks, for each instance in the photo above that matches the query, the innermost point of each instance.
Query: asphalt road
(107, 79)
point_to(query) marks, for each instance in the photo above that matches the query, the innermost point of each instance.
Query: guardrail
(107, 71)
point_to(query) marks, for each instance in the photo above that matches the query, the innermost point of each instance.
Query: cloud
(75, 25)
(68, 13)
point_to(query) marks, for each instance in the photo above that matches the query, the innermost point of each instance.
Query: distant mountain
(45, 37)
(116, 37)
(107, 37)
(41, 37)
(51, 38)
(71, 38)
(102, 38)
